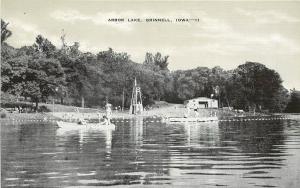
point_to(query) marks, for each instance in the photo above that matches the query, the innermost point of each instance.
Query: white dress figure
(108, 113)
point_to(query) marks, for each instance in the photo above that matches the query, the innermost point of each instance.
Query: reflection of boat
(73, 125)
(191, 119)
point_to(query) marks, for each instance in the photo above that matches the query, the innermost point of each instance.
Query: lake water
(149, 153)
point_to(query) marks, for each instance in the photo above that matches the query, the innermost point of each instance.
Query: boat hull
(96, 126)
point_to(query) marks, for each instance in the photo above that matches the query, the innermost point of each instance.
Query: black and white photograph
(171, 94)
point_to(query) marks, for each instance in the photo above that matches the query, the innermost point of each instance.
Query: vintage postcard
(150, 93)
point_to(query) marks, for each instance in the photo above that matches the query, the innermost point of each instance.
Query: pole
(82, 102)
(53, 106)
(123, 100)
(56, 89)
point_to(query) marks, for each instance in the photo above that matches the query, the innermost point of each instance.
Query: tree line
(42, 70)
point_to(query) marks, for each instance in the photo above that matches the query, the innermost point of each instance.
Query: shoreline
(171, 111)
(164, 110)
(40, 118)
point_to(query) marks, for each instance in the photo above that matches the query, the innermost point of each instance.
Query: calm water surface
(141, 152)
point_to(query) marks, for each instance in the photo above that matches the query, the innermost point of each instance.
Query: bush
(16, 105)
(43, 109)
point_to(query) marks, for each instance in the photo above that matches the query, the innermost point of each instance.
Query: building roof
(202, 99)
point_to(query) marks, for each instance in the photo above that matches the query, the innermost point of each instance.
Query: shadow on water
(141, 151)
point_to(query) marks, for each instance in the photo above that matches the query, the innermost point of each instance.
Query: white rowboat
(94, 126)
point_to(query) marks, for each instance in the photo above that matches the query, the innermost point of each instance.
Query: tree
(14, 69)
(219, 79)
(44, 46)
(6, 71)
(156, 62)
(5, 33)
(255, 86)
(37, 71)
(113, 60)
(294, 102)
(7, 52)
(74, 50)
(149, 59)
(280, 100)
(76, 76)
(161, 61)
(42, 78)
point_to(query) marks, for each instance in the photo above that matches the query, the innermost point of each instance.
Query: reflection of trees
(202, 134)
(200, 142)
(49, 158)
(136, 151)
(217, 147)
(85, 150)
(136, 132)
(252, 136)
(26, 153)
(139, 151)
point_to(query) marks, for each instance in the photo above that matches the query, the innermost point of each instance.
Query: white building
(201, 102)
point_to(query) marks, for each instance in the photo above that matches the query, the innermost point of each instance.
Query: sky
(225, 34)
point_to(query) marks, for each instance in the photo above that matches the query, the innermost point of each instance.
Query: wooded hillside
(43, 70)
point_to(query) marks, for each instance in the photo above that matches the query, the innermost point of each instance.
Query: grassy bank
(159, 109)
(29, 116)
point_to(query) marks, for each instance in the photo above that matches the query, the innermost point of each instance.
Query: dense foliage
(42, 70)
(294, 103)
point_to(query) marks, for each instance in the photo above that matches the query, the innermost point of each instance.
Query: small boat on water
(75, 125)
(190, 119)
(81, 123)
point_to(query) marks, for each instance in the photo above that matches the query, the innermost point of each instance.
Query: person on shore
(187, 114)
(196, 113)
(108, 110)
(99, 116)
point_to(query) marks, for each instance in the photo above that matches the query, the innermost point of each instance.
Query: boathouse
(201, 102)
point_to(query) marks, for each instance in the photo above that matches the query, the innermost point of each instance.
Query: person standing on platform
(108, 112)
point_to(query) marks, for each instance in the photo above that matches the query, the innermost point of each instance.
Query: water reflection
(142, 151)
(202, 134)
